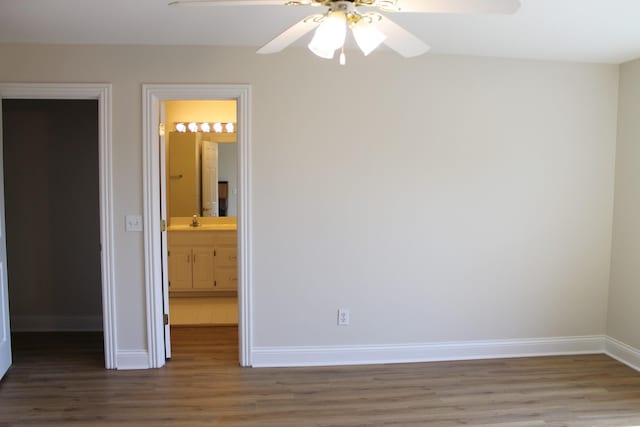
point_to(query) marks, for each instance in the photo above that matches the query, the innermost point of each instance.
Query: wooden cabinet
(202, 262)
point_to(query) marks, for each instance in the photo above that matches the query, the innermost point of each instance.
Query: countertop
(206, 224)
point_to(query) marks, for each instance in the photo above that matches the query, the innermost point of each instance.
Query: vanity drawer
(195, 238)
(226, 257)
(226, 279)
(225, 238)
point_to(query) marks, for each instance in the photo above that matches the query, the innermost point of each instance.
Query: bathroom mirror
(201, 174)
(201, 159)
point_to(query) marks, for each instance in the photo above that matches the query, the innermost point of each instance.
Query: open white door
(5, 331)
(209, 178)
(163, 235)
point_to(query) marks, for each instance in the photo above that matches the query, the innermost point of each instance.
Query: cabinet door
(203, 277)
(180, 276)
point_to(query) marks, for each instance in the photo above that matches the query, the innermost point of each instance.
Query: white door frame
(152, 96)
(102, 93)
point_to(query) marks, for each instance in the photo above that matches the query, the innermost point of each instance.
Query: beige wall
(439, 198)
(624, 316)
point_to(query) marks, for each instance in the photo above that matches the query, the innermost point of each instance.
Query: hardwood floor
(53, 384)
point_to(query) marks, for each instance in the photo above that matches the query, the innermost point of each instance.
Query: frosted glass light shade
(330, 35)
(217, 127)
(367, 35)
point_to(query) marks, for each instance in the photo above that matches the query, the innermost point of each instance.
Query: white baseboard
(132, 359)
(55, 323)
(429, 352)
(622, 352)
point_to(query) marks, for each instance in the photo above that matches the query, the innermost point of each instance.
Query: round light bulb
(193, 127)
(205, 127)
(229, 127)
(217, 127)
(181, 127)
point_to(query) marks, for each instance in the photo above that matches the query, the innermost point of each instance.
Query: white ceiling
(606, 31)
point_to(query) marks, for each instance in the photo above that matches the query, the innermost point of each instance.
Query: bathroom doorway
(155, 128)
(201, 193)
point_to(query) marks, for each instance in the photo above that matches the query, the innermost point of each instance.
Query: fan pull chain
(343, 57)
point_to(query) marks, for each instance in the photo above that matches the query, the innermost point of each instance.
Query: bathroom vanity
(203, 259)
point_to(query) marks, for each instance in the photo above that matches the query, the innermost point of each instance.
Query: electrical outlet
(133, 223)
(343, 316)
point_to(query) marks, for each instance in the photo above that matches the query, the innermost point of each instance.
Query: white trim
(133, 359)
(55, 323)
(101, 92)
(152, 96)
(622, 352)
(428, 352)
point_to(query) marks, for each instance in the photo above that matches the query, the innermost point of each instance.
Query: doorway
(200, 182)
(100, 93)
(155, 230)
(50, 159)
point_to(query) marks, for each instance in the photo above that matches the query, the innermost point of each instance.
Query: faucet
(195, 222)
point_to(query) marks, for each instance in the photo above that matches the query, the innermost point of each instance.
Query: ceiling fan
(369, 27)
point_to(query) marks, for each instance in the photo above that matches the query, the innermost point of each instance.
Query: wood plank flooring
(66, 385)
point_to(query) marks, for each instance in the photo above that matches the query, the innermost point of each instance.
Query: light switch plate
(133, 223)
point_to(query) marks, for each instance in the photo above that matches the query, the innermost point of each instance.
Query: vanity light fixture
(206, 127)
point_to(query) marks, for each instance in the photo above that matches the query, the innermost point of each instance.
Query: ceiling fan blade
(459, 6)
(227, 3)
(401, 40)
(291, 34)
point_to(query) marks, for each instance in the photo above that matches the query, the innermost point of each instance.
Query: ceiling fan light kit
(332, 31)
(368, 36)
(370, 29)
(330, 34)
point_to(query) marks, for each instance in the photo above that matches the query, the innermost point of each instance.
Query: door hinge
(166, 319)
(161, 129)
(163, 225)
